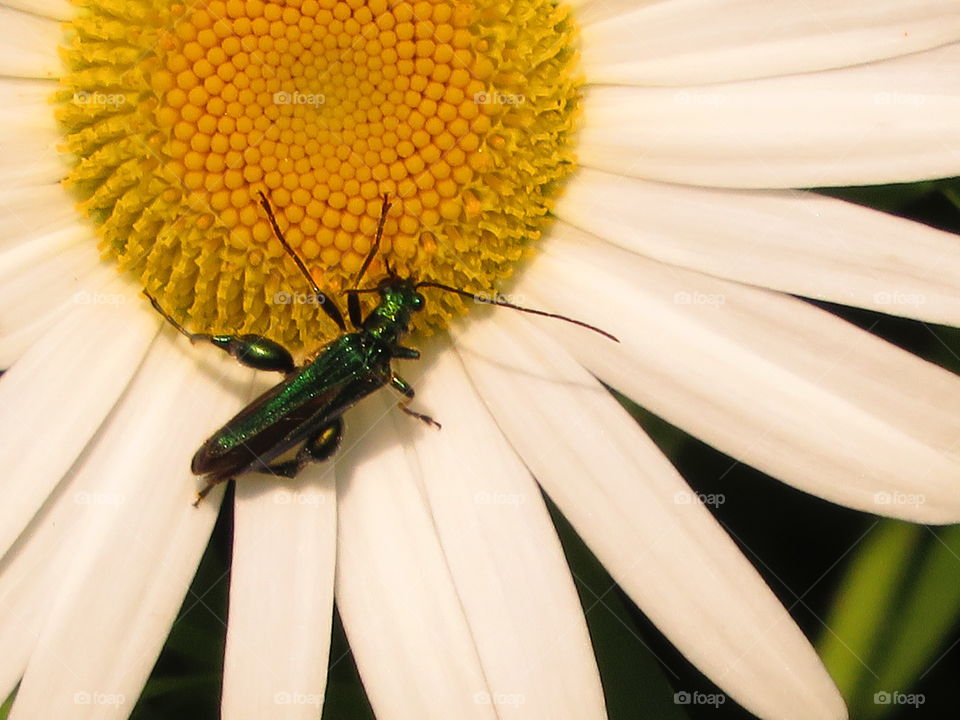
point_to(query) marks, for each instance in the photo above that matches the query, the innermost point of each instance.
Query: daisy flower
(663, 139)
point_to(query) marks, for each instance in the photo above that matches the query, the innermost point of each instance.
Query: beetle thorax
(390, 319)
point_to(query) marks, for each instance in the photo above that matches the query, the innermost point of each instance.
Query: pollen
(177, 115)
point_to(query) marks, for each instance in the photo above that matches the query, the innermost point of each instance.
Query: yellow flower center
(178, 115)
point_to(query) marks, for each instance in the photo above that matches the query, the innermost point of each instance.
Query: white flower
(680, 235)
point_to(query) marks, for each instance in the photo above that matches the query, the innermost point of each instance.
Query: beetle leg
(405, 353)
(324, 444)
(254, 351)
(318, 448)
(353, 310)
(212, 482)
(405, 389)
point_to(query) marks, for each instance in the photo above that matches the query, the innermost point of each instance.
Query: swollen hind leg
(254, 351)
(318, 448)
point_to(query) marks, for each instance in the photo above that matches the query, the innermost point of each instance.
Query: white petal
(53, 9)
(590, 12)
(504, 555)
(768, 379)
(28, 45)
(890, 121)
(40, 397)
(31, 289)
(400, 609)
(76, 277)
(281, 596)
(692, 42)
(29, 136)
(639, 517)
(800, 243)
(25, 104)
(30, 581)
(29, 213)
(31, 573)
(15, 343)
(30, 158)
(45, 248)
(139, 546)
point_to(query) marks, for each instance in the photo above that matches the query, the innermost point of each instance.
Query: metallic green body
(313, 398)
(305, 410)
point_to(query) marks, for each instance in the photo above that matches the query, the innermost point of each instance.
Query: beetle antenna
(328, 307)
(376, 242)
(504, 303)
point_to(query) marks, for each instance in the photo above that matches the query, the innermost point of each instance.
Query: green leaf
(921, 624)
(894, 615)
(866, 598)
(7, 704)
(951, 190)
